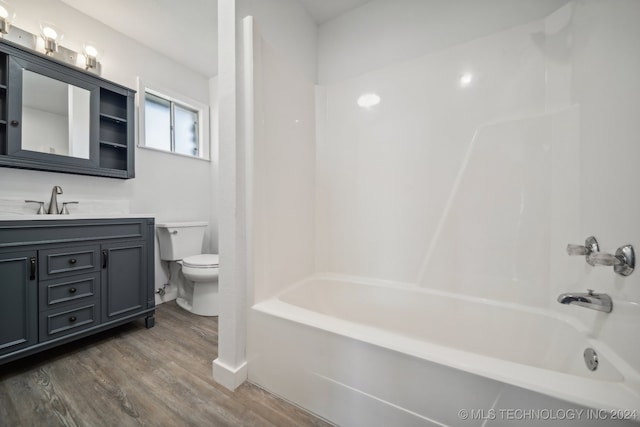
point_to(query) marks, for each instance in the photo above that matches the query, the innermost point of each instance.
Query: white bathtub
(360, 353)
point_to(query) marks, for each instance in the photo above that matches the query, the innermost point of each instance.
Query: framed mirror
(52, 116)
(56, 117)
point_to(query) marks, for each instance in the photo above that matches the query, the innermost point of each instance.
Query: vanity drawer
(57, 323)
(66, 290)
(74, 259)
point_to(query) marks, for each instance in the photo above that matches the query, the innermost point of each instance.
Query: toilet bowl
(197, 281)
(202, 270)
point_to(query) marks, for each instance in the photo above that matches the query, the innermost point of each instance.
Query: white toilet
(182, 242)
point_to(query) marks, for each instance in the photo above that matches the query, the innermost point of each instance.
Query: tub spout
(600, 302)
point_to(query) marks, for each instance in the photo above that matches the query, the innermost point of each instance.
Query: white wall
(479, 189)
(283, 173)
(604, 67)
(287, 29)
(388, 174)
(287, 26)
(229, 369)
(169, 187)
(384, 32)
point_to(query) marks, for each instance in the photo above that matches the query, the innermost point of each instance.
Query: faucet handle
(41, 210)
(590, 246)
(602, 258)
(65, 210)
(577, 250)
(623, 262)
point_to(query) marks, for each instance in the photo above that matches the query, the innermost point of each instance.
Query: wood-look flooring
(133, 376)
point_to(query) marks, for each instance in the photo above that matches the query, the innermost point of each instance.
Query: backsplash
(15, 206)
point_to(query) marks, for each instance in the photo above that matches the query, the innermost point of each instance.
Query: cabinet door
(52, 116)
(18, 301)
(124, 279)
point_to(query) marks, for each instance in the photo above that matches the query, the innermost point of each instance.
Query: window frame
(202, 111)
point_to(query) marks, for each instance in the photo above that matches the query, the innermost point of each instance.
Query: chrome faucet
(600, 302)
(53, 204)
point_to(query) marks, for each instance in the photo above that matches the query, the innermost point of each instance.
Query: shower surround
(405, 258)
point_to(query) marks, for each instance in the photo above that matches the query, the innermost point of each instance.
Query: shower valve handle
(604, 259)
(590, 247)
(577, 250)
(623, 262)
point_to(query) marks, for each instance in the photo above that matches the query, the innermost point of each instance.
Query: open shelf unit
(114, 130)
(3, 102)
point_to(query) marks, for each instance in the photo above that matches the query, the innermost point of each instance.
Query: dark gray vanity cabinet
(120, 295)
(18, 300)
(57, 117)
(61, 280)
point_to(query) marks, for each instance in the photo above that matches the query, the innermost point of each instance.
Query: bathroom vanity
(63, 279)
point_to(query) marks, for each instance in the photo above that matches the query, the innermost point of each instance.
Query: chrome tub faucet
(599, 302)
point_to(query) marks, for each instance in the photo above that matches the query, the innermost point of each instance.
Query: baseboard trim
(227, 376)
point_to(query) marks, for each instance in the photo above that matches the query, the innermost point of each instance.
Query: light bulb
(6, 16)
(51, 38)
(91, 51)
(49, 33)
(90, 56)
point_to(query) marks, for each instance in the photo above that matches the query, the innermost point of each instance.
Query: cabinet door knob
(72, 261)
(72, 290)
(72, 319)
(15, 123)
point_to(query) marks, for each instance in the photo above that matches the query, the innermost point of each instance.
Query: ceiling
(184, 30)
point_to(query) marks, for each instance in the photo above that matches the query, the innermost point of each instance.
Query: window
(172, 124)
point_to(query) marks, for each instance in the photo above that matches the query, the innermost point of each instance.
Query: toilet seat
(201, 261)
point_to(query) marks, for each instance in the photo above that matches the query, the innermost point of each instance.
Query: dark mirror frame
(14, 131)
(112, 137)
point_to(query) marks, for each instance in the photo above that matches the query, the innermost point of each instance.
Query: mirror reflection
(55, 116)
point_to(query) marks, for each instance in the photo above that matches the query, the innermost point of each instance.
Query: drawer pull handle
(72, 319)
(32, 275)
(73, 261)
(72, 290)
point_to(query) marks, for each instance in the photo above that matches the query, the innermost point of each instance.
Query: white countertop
(16, 209)
(31, 217)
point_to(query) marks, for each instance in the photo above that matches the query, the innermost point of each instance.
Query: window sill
(171, 153)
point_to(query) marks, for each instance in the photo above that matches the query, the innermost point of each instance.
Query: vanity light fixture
(5, 18)
(48, 41)
(50, 37)
(90, 56)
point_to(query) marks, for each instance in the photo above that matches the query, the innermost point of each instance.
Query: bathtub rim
(613, 395)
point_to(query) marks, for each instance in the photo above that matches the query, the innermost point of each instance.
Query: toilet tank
(178, 240)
